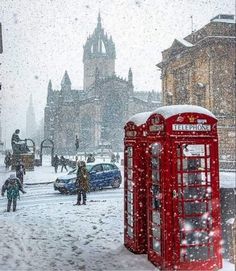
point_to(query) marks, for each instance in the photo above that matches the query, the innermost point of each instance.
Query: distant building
(31, 126)
(200, 70)
(97, 113)
(1, 51)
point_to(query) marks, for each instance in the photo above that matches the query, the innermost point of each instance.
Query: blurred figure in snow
(12, 185)
(76, 143)
(90, 158)
(7, 160)
(113, 158)
(20, 170)
(63, 163)
(56, 162)
(117, 157)
(82, 183)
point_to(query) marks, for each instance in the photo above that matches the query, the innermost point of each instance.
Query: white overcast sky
(43, 38)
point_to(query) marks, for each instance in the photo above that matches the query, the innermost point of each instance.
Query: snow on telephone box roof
(172, 110)
(140, 118)
(169, 111)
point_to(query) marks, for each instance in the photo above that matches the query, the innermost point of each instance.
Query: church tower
(99, 55)
(30, 120)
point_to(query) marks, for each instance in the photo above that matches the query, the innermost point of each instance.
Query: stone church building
(200, 70)
(97, 113)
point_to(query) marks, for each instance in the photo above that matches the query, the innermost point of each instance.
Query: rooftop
(224, 18)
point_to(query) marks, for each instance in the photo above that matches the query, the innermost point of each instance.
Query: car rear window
(109, 167)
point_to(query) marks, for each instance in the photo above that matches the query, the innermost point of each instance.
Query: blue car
(100, 175)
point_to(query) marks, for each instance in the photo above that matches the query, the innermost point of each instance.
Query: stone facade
(97, 113)
(1, 51)
(200, 70)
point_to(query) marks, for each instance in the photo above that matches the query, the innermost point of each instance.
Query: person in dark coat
(63, 163)
(117, 157)
(56, 162)
(76, 143)
(7, 160)
(113, 158)
(82, 183)
(12, 185)
(90, 158)
(20, 171)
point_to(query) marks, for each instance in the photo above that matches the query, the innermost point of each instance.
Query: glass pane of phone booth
(194, 199)
(155, 226)
(130, 195)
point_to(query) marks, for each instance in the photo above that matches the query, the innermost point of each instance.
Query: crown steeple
(99, 52)
(98, 44)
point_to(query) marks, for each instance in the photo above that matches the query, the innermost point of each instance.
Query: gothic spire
(66, 83)
(99, 24)
(66, 80)
(50, 85)
(130, 77)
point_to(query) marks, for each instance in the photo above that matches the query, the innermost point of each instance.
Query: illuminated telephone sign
(191, 127)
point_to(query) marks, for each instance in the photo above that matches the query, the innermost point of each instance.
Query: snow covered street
(48, 233)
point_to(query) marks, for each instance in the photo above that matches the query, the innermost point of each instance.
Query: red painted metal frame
(134, 138)
(170, 230)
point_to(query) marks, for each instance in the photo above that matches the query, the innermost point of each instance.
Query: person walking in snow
(20, 170)
(7, 160)
(12, 185)
(117, 157)
(56, 162)
(76, 143)
(63, 163)
(82, 183)
(113, 158)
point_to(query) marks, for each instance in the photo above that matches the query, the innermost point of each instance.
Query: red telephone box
(183, 207)
(135, 219)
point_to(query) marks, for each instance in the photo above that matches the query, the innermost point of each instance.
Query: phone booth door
(155, 204)
(196, 210)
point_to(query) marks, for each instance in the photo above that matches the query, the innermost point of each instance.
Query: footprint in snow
(87, 242)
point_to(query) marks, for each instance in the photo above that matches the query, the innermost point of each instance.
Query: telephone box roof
(140, 118)
(171, 110)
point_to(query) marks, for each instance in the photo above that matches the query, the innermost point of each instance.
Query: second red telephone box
(135, 217)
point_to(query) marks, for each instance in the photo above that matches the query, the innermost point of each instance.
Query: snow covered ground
(48, 233)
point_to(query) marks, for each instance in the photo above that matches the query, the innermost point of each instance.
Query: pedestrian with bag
(56, 162)
(12, 185)
(63, 163)
(82, 183)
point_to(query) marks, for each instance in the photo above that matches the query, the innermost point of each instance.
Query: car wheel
(63, 191)
(116, 183)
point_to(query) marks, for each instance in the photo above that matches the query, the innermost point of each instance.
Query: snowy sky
(43, 38)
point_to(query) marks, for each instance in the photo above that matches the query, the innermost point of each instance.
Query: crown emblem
(191, 118)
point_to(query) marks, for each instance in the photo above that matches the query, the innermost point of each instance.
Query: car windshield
(89, 167)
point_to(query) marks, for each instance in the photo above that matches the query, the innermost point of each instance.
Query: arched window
(101, 46)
